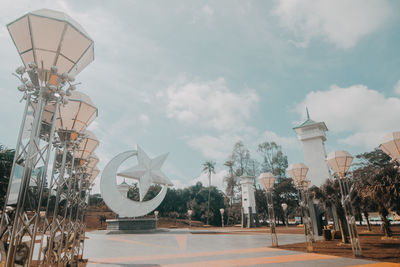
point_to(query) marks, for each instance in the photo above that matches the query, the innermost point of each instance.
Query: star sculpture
(147, 171)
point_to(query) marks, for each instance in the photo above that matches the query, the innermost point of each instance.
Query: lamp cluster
(54, 48)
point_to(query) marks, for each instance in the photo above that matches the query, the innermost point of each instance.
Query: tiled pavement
(185, 248)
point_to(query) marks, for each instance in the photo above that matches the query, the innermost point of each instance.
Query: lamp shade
(52, 38)
(298, 172)
(267, 180)
(93, 175)
(306, 184)
(222, 211)
(92, 161)
(339, 161)
(284, 206)
(391, 145)
(86, 146)
(190, 212)
(75, 116)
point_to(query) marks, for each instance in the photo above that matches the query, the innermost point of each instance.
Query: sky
(193, 77)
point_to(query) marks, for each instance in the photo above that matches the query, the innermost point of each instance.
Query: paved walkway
(200, 248)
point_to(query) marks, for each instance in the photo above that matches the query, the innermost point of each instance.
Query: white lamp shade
(75, 116)
(298, 172)
(190, 212)
(306, 184)
(284, 206)
(86, 146)
(222, 211)
(267, 180)
(52, 38)
(339, 161)
(93, 175)
(92, 161)
(391, 145)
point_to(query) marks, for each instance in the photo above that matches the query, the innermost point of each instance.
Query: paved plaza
(182, 247)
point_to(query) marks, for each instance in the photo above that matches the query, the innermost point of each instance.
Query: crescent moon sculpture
(148, 170)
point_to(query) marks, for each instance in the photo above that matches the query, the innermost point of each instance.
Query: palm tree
(209, 167)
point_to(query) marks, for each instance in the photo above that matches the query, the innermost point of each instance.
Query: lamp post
(391, 145)
(190, 213)
(156, 216)
(89, 174)
(267, 180)
(222, 216)
(73, 118)
(54, 48)
(339, 162)
(298, 172)
(284, 207)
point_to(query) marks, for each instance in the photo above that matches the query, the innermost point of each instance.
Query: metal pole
(270, 204)
(351, 221)
(308, 232)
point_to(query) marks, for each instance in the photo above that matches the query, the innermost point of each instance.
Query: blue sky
(193, 77)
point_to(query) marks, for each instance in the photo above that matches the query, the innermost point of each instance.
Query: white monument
(123, 188)
(248, 201)
(147, 172)
(312, 136)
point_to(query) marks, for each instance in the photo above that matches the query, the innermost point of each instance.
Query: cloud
(217, 179)
(217, 147)
(341, 22)
(396, 87)
(285, 141)
(210, 104)
(144, 119)
(365, 115)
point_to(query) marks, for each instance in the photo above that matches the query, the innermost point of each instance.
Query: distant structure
(123, 188)
(312, 136)
(249, 212)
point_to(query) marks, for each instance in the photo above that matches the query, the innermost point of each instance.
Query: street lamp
(190, 213)
(73, 119)
(339, 162)
(284, 207)
(298, 172)
(222, 216)
(54, 48)
(391, 145)
(156, 216)
(267, 180)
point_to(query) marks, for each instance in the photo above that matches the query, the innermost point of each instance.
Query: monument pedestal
(129, 224)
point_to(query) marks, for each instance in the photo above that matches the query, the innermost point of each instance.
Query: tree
(329, 195)
(209, 167)
(230, 181)
(241, 158)
(6, 161)
(377, 180)
(274, 160)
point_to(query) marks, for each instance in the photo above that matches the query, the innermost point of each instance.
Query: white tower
(248, 200)
(123, 188)
(312, 136)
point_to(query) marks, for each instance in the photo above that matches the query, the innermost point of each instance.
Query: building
(313, 136)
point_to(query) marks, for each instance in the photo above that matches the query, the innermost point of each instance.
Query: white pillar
(248, 199)
(312, 136)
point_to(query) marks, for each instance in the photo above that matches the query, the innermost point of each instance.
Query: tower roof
(309, 122)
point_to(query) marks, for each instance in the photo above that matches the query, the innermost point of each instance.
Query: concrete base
(128, 224)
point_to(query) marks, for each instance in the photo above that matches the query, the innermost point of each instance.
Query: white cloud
(365, 114)
(144, 119)
(217, 147)
(210, 104)
(341, 22)
(396, 87)
(285, 141)
(217, 179)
